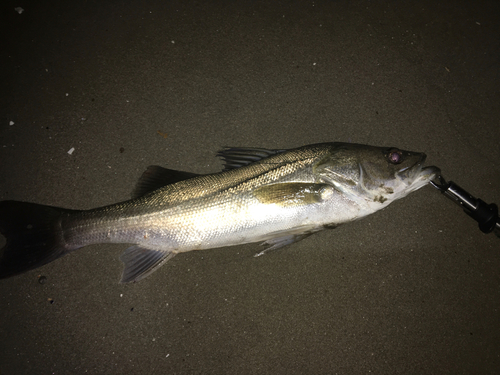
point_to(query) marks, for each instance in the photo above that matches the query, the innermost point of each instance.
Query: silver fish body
(271, 196)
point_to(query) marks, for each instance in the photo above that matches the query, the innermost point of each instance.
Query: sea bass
(272, 196)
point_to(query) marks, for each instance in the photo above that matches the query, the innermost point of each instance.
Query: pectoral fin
(293, 193)
(141, 262)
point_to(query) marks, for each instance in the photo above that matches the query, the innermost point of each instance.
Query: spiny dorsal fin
(236, 157)
(156, 177)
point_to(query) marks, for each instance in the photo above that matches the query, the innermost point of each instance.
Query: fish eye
(395, 156)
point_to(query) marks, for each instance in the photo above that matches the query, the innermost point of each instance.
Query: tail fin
(33, 235)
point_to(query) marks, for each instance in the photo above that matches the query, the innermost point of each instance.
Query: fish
(273, 196)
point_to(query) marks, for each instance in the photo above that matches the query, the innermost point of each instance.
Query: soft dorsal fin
(156, 177)
(236, 157)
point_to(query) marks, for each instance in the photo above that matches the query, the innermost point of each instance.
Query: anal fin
(141, 262)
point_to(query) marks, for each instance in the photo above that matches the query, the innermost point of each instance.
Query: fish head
(378, 175)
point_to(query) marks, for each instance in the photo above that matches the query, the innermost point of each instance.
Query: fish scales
(184, 212)
(274, 196)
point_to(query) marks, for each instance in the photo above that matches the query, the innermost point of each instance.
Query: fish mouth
(416, 175)
(425, 173)
(429, 173)
(422, 176)
(411, 173)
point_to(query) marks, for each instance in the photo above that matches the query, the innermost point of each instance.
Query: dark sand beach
(413, 289)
